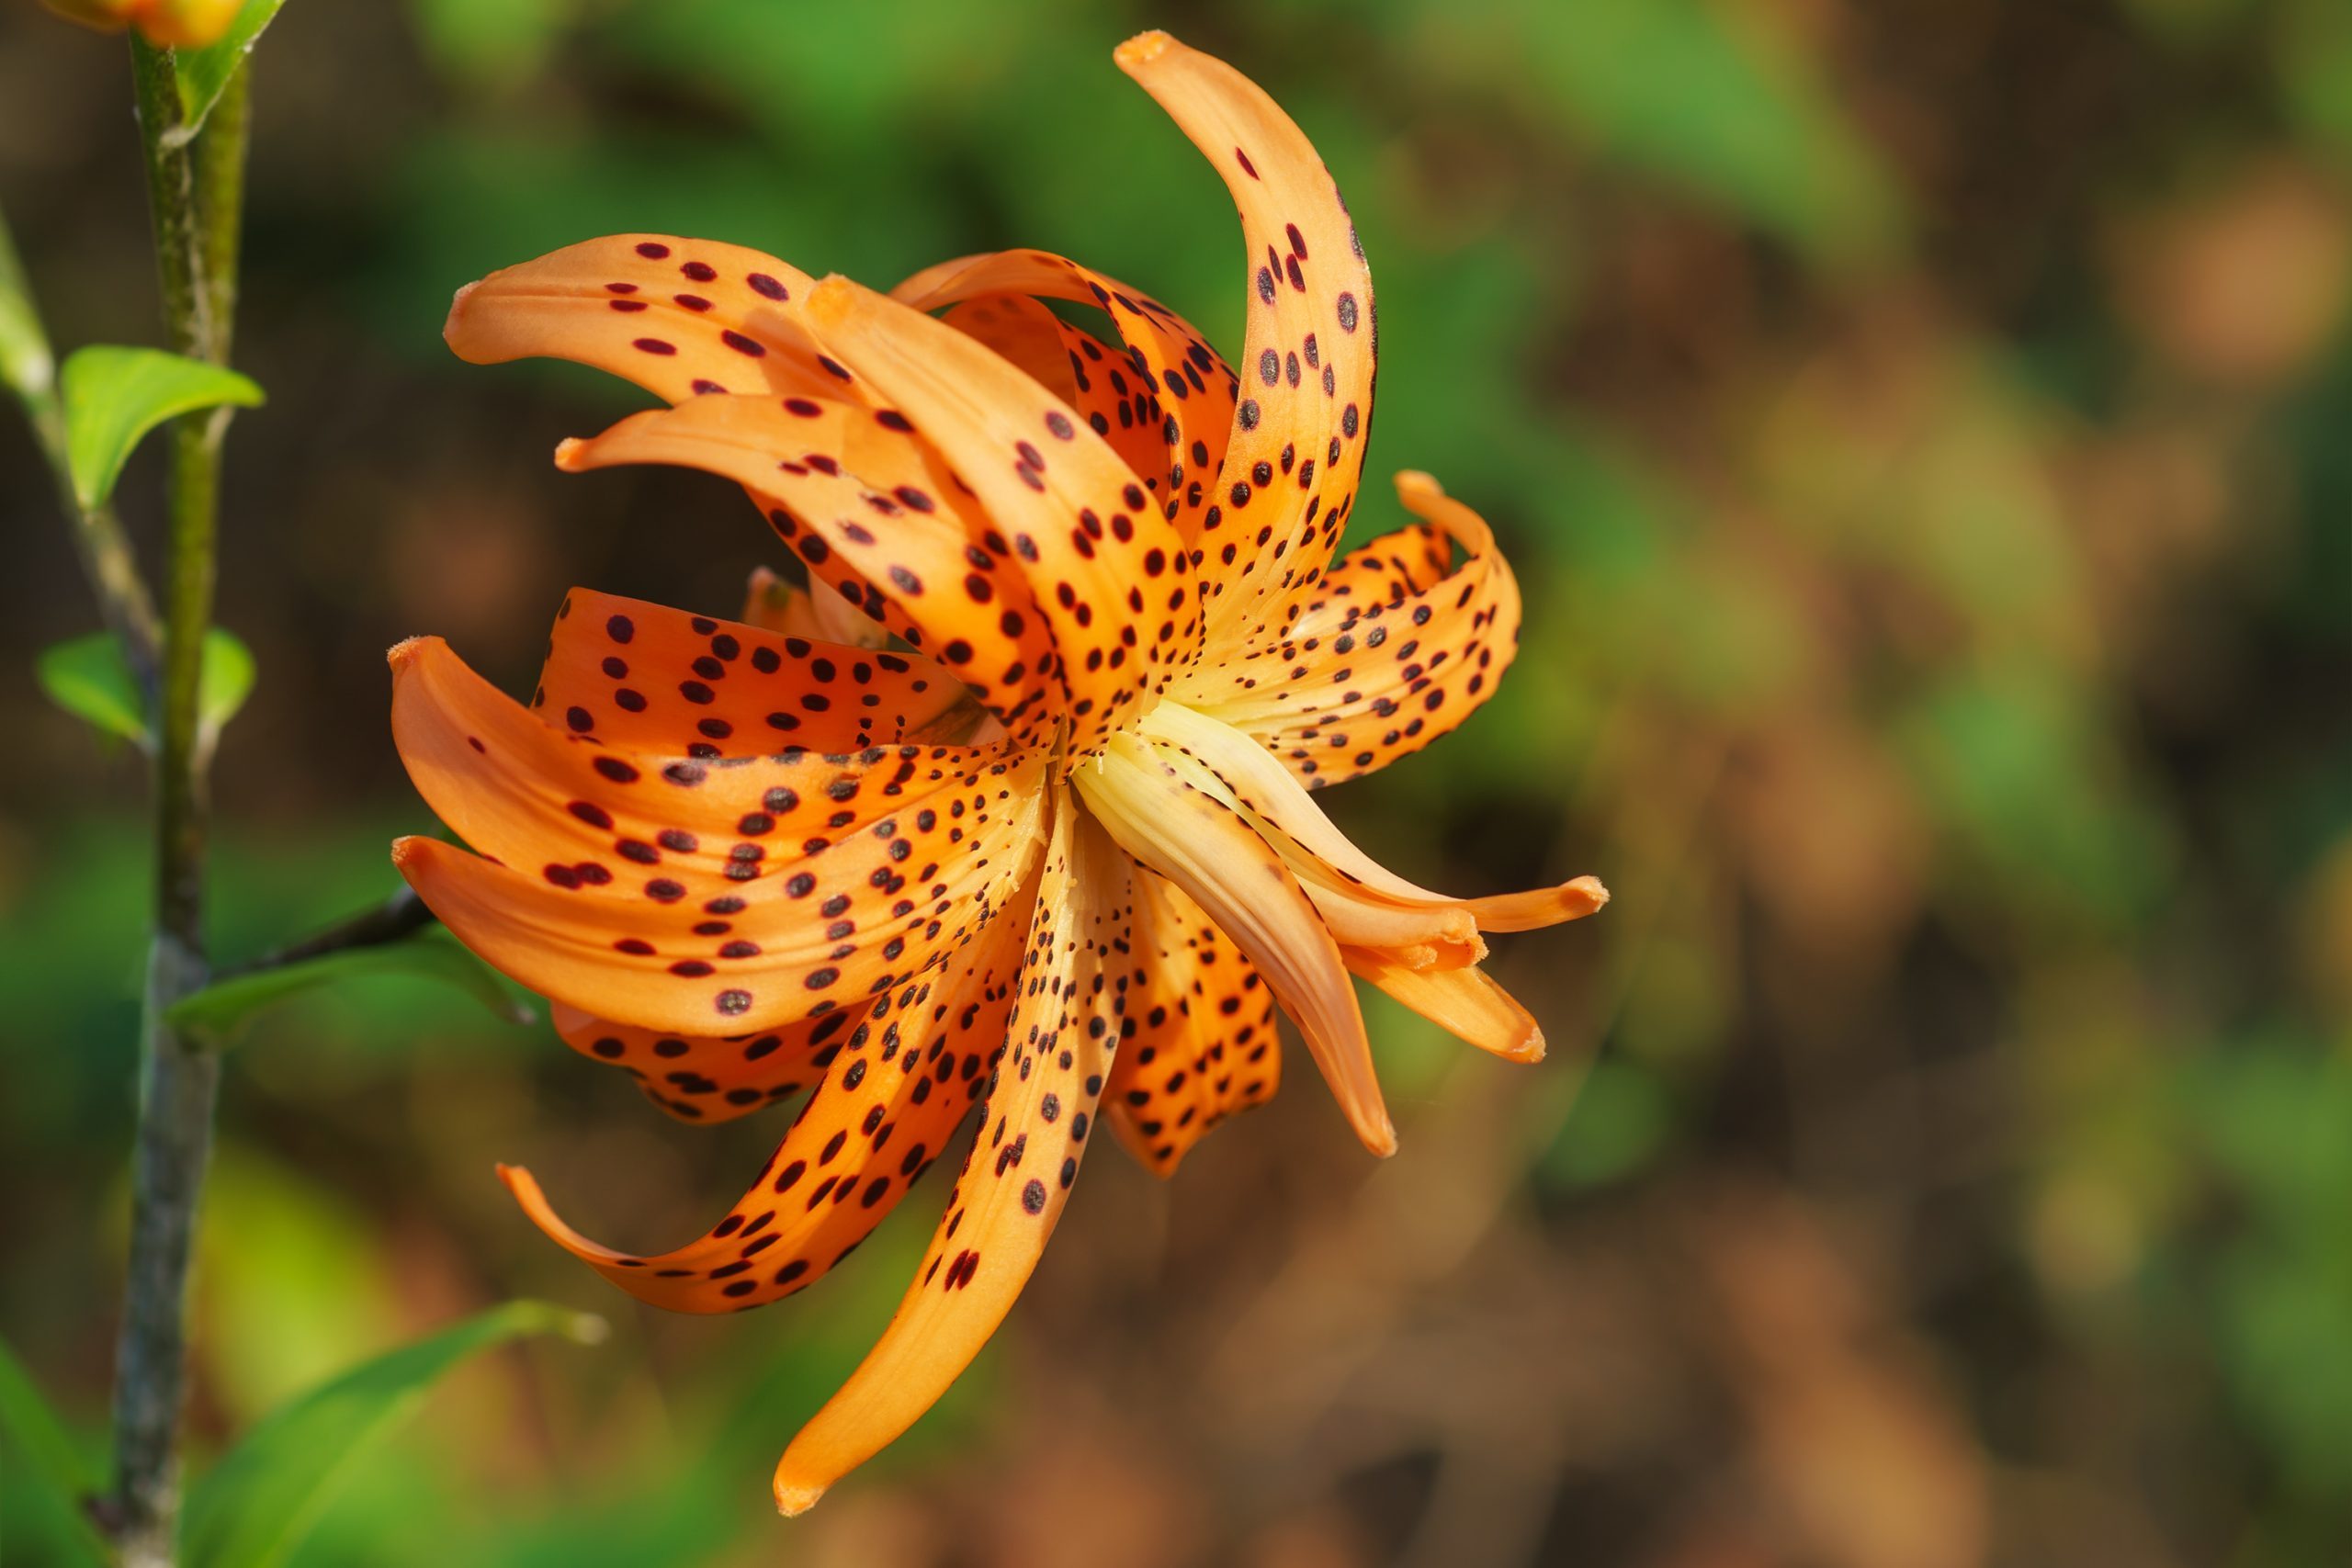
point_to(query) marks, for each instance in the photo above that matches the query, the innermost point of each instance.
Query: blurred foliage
(1921, 433)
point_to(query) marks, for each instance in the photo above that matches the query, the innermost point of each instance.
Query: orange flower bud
(166, 24)
(185, 24)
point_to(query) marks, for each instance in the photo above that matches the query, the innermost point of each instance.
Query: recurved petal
(899, 1082)
(1347, 884)
(1296, 457)
(1201, 1042)
(1107, 572)
(710, 1079)
(1466, 1003)
(680, 895)
(681, 318)
(652, 679)
(1350, 695)
(1205, 847)
(869, 508)
(1166, 403)
(1057, 1051)
(1388, 570)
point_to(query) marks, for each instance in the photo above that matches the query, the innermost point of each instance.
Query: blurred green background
(1923, 429)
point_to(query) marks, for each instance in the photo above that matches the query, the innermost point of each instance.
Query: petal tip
(1142, 49)
(1587, 891)
(792, 1500)
(449, 327)
(403, 653)
(832, 299)
(573, 455)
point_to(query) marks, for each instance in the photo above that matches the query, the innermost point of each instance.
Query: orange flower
(1038, 839)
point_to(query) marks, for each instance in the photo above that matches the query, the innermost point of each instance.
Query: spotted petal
(654, 678)
(892, 1097)
(1201, 1043)
(689, 895)
(1295, 456)
(1205, 847)
(679, 317)
(1359, 682)
(1099, 385)
(1172, 388)
(711, 1079)
(1107, 572)
(867, 505)
(1057, 1051)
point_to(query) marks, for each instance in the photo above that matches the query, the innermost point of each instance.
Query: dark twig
(401, 916)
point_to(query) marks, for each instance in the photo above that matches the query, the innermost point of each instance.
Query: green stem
(107, 558)
(195, 197)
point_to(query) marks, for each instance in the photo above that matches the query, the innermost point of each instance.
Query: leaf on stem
(204, 73)
(87, 676)
(113, 395)
(43, 1448)
(255, 1507)
(216, 1011)
(25, 363)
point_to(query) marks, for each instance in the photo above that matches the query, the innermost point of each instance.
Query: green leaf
(25, 363)
(255, 1507)
(88, 678)
(42, 1445)
(114, 396)
(204, 73)
(216, 1011)
(226, 680)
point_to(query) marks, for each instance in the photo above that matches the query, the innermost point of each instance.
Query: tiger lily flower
(1012, 809)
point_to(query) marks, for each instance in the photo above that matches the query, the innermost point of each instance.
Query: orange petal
(710, 1079)
(681, 318)
(864, 506)
(1241, 773)
(1064, 1027)
(1466, 1003)
(1386, 572)
(687, 895)
(1296, 457)
(1205, 848)
(892, 1097)
(653, 679)
(1100, 386)
(1106, 571)
(1021, 332)
(1382, 680)
(1201, 1042)
(1165, 404)
(774, 605)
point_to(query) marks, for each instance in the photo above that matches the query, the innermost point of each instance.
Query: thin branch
(108, 560)
(194, 194)
(401, 916)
